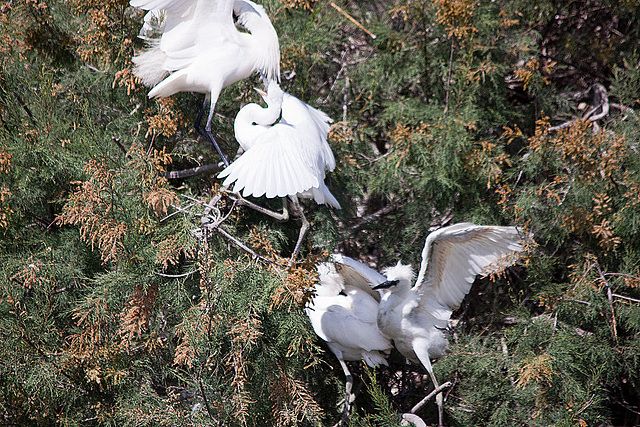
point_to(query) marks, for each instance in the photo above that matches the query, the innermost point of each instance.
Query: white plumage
(415, 317)
(344, 314)
(287, 158)
(201, 50)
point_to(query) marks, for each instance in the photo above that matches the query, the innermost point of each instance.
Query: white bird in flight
(201, 50)
(284, 159)
(415, 317)
(343, 313)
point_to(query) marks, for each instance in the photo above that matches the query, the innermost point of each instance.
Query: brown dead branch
(597, 93)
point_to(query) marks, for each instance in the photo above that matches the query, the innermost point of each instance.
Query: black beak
(385, 285)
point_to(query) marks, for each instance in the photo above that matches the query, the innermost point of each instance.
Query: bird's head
(330, 282)
(399, 278)
(274, 94)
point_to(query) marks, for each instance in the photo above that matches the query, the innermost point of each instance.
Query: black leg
(206, 133)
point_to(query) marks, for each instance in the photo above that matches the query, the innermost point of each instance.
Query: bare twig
(352, 19)
(610, 299)
(175, 276)
(119, 144)
(505, 353)
(194, 171)
(626, 109)
(371, 217)
(429, 396)
(448, 82)
(623, 297)
(600, 100)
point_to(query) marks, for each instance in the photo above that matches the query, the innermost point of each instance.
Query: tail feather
(149, 65)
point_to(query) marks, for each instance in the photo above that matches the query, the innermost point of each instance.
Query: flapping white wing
(273, 168)
(357, 274)
(177, 7)
(453, 256)
(345, 316)
(253, 17)
(315, 124)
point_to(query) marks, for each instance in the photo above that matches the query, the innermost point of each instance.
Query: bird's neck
(251, 121)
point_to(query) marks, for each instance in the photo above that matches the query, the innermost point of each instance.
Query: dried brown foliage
(594, 163)
(92, 207)
(96, 42)
(292, 402)
(297, 288)
(155, 187)
(244, 333)
(5, 210)
(456, 16)
(539, 371)
(167, 121)
(171, 250)
(136, 315)
(92, 349)
(298, 4)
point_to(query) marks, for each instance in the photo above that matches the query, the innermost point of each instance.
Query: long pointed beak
(385, 285)
(260, 92)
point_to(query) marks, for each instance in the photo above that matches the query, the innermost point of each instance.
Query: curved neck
(251, 121)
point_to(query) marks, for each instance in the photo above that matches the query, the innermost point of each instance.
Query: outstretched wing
(313, 123)
(254, 17)
(271, 168)
(453, 256)
(357, 274)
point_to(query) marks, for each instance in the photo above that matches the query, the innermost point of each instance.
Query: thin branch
(175, 276)
(371, 217)
(610, 299)
(206, 401)
(241, 245)
(120, 146)
(623, 297)
(448, 82)
(626, 109)
(352, 19)
(194, 171)
(429, 396)
(601, 102)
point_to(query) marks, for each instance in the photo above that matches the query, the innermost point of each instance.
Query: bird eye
(253, 123)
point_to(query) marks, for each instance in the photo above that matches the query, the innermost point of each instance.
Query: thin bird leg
(439, 400)
(303, 229)
(349, 397)
(206, 133)
(426, 362)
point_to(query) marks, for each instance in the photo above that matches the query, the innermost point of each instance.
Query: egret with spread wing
(284, 159)
(343, 313)
(415, 317)
(201, 50)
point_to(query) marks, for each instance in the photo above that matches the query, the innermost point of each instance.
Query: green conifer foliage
(133, 292)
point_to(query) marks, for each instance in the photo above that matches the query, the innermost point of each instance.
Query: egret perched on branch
(201, 50)
(415, 317)
(343, 313)
(284, 159)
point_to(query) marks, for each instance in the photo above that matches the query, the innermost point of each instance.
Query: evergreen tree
(118, 307)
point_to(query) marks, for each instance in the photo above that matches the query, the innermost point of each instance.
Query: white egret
(284, 159)
(415, 317)
(343, 313)
(201, 50)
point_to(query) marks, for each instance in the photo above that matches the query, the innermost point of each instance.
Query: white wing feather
(453, 256)
(289, 158)
(345, 316)
(273, 167)
(358, 274)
